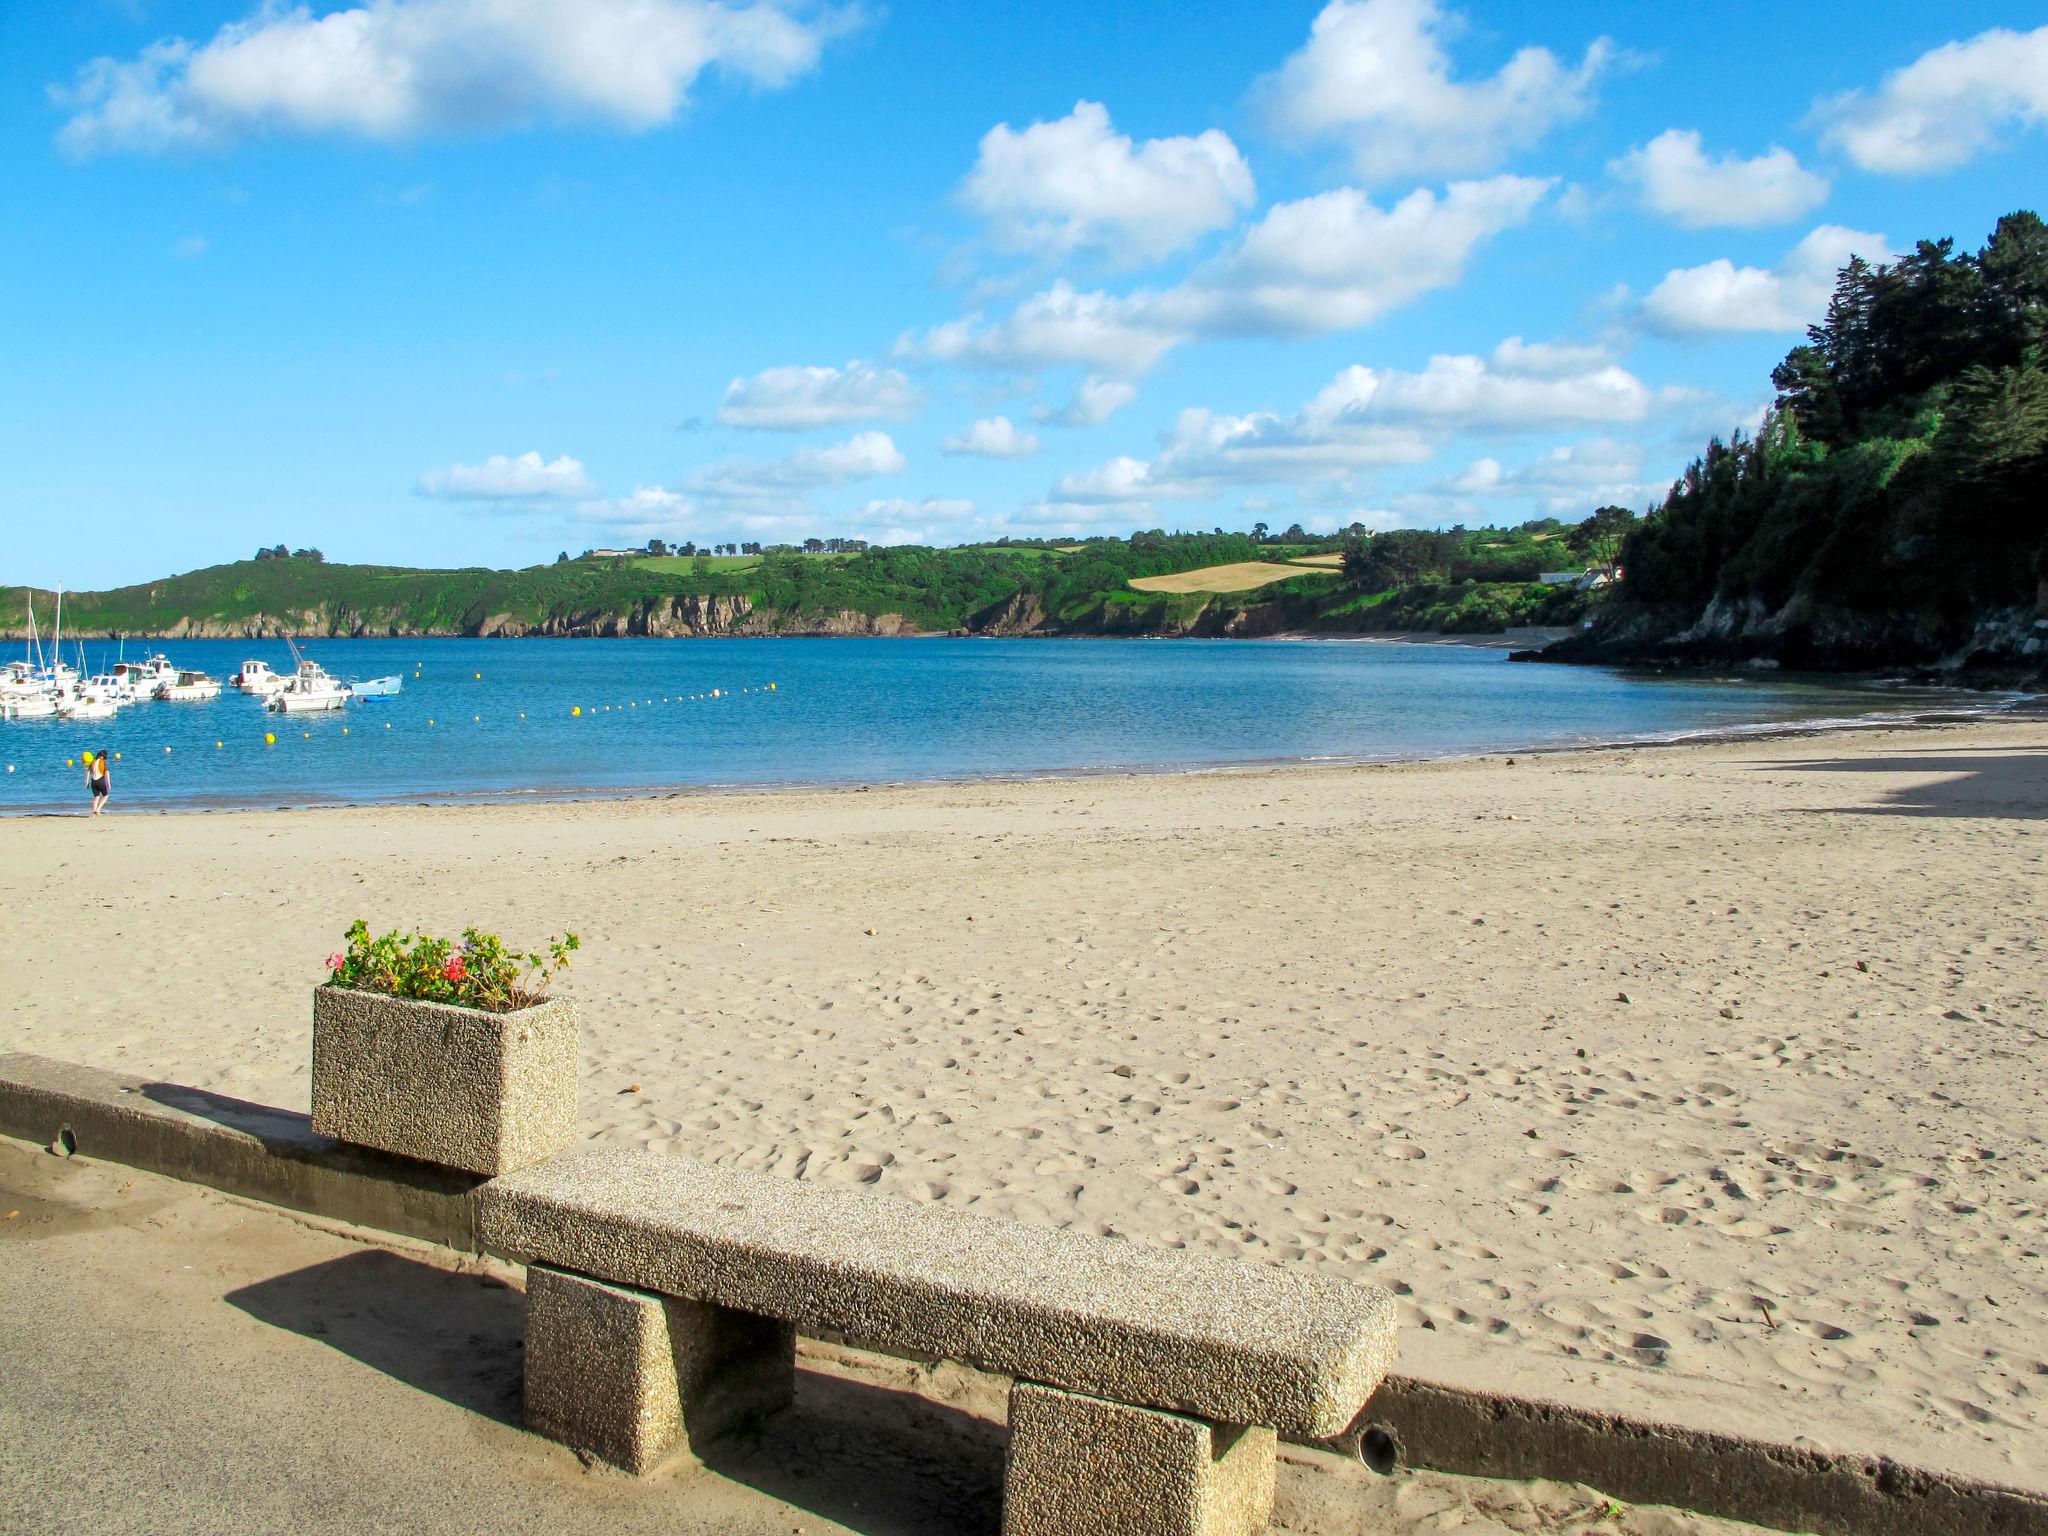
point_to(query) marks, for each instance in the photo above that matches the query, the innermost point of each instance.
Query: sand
(1695, 1081)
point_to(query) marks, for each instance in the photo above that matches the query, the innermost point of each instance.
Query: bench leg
(628, 1376)
(1080, 1466)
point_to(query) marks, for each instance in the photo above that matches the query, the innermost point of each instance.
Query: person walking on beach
(98, 779)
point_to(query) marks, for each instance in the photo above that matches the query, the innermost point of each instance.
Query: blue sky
(473, 281)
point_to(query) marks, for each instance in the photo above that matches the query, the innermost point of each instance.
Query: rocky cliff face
(2003, 645)
(687, 616)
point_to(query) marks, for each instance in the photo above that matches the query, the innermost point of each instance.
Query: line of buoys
(576, 711)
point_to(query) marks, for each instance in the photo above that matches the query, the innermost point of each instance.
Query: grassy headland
(1459, 581)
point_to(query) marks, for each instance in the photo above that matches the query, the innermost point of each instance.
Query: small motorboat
(257, 678)
(28, 706)
(187, 687)
(309, 692)
(376, 687)
(86, 704)
(142, 678)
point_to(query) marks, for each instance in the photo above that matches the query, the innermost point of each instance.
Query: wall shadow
(459, 1337)
(2006, 784)
(261, 1120)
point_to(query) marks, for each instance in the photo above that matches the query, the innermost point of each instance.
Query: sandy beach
(1709, 1073)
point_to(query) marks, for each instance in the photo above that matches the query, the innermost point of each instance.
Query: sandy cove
(1704, 1082)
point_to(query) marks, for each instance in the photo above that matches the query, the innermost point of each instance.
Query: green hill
(1461, 580)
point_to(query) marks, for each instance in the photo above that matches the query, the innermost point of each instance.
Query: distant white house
(1585, 581)
(612, 554)
(1600, 576)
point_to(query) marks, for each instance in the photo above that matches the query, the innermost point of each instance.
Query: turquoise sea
(490, 719)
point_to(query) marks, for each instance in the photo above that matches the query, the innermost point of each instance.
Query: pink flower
(453, 970)
(336, 960)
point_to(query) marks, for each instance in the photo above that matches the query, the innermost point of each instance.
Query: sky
(472, 282)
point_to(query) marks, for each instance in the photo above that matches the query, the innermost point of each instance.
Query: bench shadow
(2006, 784)
(875, 1459)
(460, 1337)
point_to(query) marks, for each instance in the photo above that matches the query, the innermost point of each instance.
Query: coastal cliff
(1890, 513)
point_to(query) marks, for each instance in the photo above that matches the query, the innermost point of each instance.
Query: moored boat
(143, 677)
(310, 691)
(257, 678)
(187, 686)
(376, 687)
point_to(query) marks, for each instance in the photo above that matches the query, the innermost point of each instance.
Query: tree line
(1903, 468)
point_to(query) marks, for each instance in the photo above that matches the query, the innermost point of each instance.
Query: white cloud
(1367, 418)
(1519, 388)
(1095, 400)
(1946, 107)
(396, 69)
(785, 485)
(895, 520)
(1720, 296)
(1208, 451)
(649, 509)
(499, 478)
(1679, 181)
(993, 437)
(796, 399)
(191, 248)
(1335, 260)
(1324, 263)
(1060, 326)
(1375, 75)
(1077, 182)
(1600, 471)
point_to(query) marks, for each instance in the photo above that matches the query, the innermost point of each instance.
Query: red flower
(336, 960)
(453, 970)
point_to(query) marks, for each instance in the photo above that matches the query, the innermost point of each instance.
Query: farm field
(1241, 576)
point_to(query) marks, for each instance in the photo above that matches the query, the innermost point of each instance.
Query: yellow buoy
(479, 677)
(344, 730)
(479, 719)
(218, 745)
(270, 738)
(430, 722)
(577, 710)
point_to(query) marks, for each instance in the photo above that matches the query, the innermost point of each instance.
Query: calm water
(858, 711)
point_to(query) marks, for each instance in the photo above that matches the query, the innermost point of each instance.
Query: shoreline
(2011, 706)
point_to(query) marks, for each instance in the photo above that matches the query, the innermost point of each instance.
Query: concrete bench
(664, 1297)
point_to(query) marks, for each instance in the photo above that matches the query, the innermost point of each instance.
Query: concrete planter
(485, 1092)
